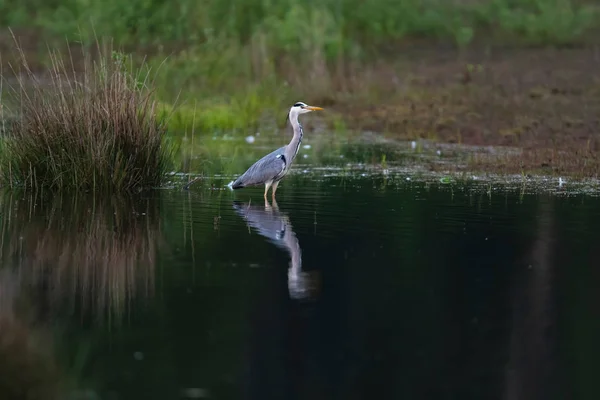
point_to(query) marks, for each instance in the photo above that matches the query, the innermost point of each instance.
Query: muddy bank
(545, 102)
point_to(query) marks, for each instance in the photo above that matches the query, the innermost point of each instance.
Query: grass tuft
(93, 127)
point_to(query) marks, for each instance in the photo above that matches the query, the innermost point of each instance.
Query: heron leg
(267, 186)
(274, 189)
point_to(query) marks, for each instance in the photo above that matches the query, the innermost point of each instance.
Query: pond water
(352, 286)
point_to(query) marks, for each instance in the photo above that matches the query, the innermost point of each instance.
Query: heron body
(273, 167)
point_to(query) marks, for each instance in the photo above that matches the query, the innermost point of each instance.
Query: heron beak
(312, 108)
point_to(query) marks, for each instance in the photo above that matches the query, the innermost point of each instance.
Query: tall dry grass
(91, 128)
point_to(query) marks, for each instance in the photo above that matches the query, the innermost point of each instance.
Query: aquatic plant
(95, 129)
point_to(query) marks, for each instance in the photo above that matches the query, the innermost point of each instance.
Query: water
(350, 287)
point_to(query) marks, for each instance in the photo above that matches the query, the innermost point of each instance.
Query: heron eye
(299, 105)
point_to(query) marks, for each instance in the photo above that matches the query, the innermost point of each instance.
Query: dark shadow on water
(532, 345)
(28, 366)
(68, 263)
(96, 254)
(280, 343)
(342, 291)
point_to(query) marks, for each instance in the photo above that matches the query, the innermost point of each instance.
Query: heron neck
(294, 145)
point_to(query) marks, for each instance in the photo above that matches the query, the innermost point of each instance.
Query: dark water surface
(348, 288)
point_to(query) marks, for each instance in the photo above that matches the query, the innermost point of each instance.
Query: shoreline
(544, 101)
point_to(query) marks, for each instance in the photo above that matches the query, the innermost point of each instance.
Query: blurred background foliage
(216, 35)
(239, 60)
(331, 26)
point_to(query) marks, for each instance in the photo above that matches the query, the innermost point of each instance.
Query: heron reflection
(275, 225)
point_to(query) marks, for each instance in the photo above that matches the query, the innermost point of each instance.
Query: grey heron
(271, 169)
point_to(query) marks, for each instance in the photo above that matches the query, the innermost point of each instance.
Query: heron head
(303, 108)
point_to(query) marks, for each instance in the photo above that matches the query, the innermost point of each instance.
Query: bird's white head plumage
(301, 108)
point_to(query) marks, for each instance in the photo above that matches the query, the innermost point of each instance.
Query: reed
(90, 127)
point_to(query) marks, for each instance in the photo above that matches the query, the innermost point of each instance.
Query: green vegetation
(330, 27)
(97, 130)
(229, 67)
(225, 53)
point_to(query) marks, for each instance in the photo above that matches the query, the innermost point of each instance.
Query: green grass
(237, 65)
(97, 130)
(219, 49)
(332, 26)
(244, 111)
(287, 50)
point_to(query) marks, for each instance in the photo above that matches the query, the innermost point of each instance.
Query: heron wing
(266, 169)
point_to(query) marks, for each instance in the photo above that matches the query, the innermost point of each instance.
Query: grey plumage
(269, 167)
(273, 167)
